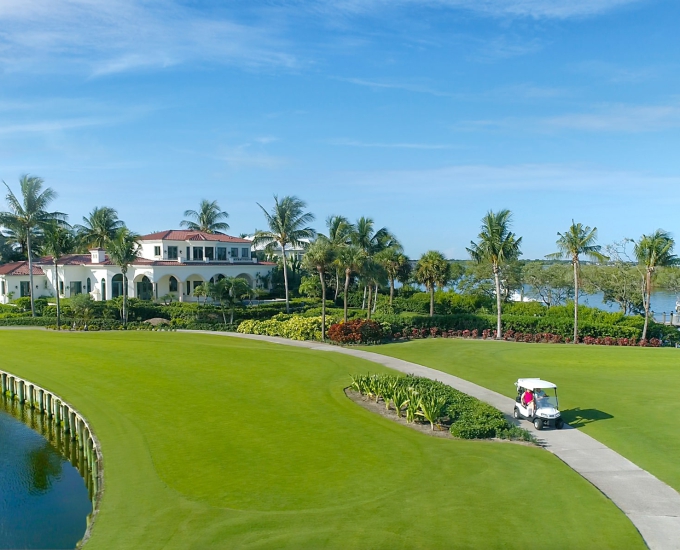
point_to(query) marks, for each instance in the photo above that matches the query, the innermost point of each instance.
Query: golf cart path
(652, 505)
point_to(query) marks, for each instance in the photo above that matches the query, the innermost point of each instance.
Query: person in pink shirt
(529, 403)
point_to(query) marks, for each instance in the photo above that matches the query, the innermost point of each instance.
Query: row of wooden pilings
(82, 449)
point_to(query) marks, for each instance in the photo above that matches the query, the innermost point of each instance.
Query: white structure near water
(171, 263)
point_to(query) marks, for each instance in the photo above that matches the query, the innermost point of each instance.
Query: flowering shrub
(359, 331)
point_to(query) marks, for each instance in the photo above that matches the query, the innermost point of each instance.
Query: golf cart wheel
(515, 413)
(538, 423)
(559, 423)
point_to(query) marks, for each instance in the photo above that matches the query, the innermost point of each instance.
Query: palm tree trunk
(375, 299)
(285, 276)
(347, 273)
(575, 301)
(391, 290)
(337, 284)
(368, 309)
(497, 278)
(30, 269)
(648, 293)
(231, 313)
(363, 302)
(431, 300)
(125, 298)
(323, 306)
(56, 280)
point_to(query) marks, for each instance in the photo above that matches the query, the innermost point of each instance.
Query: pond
(44, 499)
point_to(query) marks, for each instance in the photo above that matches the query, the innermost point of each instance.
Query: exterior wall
(148, 250)
(13, 284)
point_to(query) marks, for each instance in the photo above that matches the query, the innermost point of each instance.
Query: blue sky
(422, 114)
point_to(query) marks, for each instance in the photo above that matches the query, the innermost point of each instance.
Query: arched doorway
(117, 286)
(173, 285)
(216, 278)
(144, 288)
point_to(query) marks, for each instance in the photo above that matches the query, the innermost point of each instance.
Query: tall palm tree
(287, 226)
(395, 263)
(58, 241)
(652, 251)
(209, 218)
(29, 215)
(339, 234)
(320, 256)
(497, 245)
(123, 250)
(578, 241)
(352, 260)
(433, 270)
(99, 227)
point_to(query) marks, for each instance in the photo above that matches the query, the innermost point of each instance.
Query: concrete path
(652, 506)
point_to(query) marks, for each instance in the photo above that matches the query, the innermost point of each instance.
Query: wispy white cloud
(617, 74)
(109, 36)
(248, 156)
(392, 85)
(386, 145)
(50, 126)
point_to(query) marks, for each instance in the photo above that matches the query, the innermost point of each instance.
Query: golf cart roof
(534, 384)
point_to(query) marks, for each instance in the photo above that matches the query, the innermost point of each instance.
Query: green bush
(294, 327)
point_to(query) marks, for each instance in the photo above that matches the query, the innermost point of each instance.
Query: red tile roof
(19, 268)
(184, 235)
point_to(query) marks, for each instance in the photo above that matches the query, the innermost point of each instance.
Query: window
(173, 283)
(25, 288)
(188, 289)
(88, 285)
(245, 253)
(221, 254)
(103, 283)
(61, 288)
(172, 253)
(198, 253)
(156, 250)
(209, 252)
(2, 287)
(188, 253)
(76, 288)
(234, 252)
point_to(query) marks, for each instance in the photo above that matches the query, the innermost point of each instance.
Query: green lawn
(214, 442)
(625, 397)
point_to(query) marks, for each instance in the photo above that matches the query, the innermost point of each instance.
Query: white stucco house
(171, 262)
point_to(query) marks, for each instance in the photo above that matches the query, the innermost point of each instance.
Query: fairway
(624, 397)
(216, 442)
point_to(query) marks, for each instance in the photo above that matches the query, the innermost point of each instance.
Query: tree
(30, 215)
(208, 219)
(653, 251)
(319, 256)
(58, 241)
(395, 264)
(123, 250)
(340, 235)
(99, 227)
(497, 245)
(287, 226)
(432, 270)
(549, 283)
(227, 291)
(578, 241)
(352, 260)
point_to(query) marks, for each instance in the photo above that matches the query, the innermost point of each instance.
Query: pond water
(44, 499)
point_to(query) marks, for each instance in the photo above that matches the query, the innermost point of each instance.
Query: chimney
(98, 255)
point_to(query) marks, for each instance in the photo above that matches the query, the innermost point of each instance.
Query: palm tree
(578, 241)
(433, 270)
(339, 234)
(287, 225)
(652, 251)
(99, 227)
(497, 245)
(352, 260)
(58, 241)
(320, 256)
(395, 264)
(123, 250)
(208, 219)
(29, 215)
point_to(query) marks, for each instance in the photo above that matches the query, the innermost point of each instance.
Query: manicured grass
(214, 442)
(625, 397)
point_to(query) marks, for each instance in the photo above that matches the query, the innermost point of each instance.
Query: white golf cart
(546, 413)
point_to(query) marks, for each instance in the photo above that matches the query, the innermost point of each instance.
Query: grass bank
(214, 442)
(624, 397)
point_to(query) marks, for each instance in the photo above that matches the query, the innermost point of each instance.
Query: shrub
(293, 327)
(358, 331)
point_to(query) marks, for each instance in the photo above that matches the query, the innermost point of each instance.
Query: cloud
(615, 73)
(409, 87)
(538, 9)
(244, 156)
(424, 146)
(49, 126)
(111, 36)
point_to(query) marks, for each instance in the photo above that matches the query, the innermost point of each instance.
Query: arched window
(173, 284)
(117, 286)
(88, 285)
